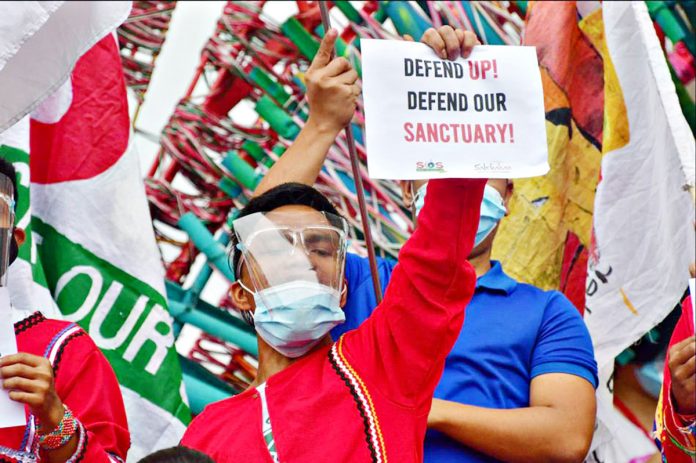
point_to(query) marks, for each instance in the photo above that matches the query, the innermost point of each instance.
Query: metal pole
(355, 165)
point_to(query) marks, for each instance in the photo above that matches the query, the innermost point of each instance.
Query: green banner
(126, 317)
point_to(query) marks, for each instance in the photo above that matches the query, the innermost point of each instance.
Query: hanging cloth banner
(92, 247)
(40, 43)
(480, 117)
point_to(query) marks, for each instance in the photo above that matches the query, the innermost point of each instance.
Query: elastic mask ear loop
(244, 287)
(247, 315)
(239, 272)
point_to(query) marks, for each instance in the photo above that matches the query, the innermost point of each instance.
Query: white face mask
(293, 317)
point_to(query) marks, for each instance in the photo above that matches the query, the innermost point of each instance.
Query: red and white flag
(92, 246)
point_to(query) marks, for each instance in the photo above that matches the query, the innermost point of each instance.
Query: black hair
(286, 194)
(7, 169)
(177, 455)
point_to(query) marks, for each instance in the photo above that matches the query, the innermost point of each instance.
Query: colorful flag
(614, 125)
(551, 213)
(95, 246)
(644, 213)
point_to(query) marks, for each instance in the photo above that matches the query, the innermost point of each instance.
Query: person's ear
(20, 236)
(242, 299)
(407, 192)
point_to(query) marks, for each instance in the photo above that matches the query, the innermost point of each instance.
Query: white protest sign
(11, 412)
(425, 117)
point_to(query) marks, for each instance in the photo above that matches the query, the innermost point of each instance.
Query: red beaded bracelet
(62, 433)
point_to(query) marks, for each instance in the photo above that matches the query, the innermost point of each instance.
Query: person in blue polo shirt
(519, 383)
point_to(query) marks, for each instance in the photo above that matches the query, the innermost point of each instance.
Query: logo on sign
(494, 166)
(430, 166)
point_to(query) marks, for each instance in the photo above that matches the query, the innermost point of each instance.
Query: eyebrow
(319, 236)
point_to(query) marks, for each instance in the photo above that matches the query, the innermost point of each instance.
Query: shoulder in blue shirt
(512, 333)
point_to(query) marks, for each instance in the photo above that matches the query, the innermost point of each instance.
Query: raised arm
(401, 348)
(332, 94)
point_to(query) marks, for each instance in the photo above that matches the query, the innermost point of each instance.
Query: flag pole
(355, 165)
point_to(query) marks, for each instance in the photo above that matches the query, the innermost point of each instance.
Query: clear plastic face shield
(281, 247)
(7, 218)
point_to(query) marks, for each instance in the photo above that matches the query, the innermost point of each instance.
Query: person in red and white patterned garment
(675, 420)
(73, 402)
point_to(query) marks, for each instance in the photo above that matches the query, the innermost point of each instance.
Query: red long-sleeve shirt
(84, 381)
(366, 398)
(675, 433)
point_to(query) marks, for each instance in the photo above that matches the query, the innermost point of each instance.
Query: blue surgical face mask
(419, 198)
(293, 317)
(649, 376)
(492, 210)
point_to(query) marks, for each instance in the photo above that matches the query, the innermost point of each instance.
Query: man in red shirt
(675, 422)
(73, 402)
(366, 397)
(531, 388)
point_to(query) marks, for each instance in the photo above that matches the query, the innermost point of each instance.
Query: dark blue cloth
(512, 333)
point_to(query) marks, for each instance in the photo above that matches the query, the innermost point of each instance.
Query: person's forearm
(303, 160)
(515, 435)
(423, 309)
(84, 446)
(64, 453)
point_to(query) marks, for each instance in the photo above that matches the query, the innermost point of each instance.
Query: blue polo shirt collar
(496, 280)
